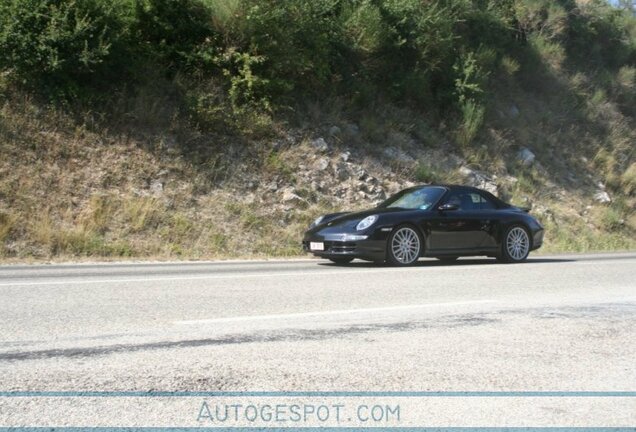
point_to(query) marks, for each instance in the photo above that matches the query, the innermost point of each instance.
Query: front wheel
(341, 261)
(404, 246)
(515, 245)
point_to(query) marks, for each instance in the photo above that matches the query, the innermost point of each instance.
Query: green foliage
(470, 77)
(267, 54)
(602, 35)
(612, 219)
(60, 45)
(472, 117)
(628, 180)
(425, 173)
(245, 86)
(172, 32)
(541, 17)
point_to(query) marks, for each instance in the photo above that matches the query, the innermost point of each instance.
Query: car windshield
(415, 198)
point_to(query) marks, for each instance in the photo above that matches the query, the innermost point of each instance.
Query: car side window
(483, 203)
(468, 201)
(462, 200)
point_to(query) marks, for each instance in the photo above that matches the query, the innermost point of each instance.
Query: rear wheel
(515, 245)
(341, 261)
(404, 246)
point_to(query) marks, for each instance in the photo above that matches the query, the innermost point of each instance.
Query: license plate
(316, 246)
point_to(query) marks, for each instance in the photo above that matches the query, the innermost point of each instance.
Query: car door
(457, 230)
(487, 209)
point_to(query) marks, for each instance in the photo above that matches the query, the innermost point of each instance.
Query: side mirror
(448, 207)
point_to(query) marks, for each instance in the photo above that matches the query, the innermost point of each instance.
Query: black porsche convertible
(440, 221)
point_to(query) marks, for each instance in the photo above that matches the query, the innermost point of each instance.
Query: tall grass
(472, 118)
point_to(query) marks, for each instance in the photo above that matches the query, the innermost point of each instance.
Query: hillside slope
(178, 158)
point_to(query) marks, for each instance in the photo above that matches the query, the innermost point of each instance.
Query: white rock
(249, 199)
(345, 156)
(392, 187)
(479, 180)
(156, 187)
(321, 164)
(525, 156)
(320, 144)
(466, 172)
(602, 197)
(289, 196)
(491, 187)
(398, 155)
(360, 173)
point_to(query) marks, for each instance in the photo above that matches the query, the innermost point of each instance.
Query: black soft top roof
(455, 187)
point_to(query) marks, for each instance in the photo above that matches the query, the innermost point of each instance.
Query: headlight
(316, 222)
(366, 222)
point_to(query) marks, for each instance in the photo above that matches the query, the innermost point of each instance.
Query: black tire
(447, 259)
(515, 245)
(404, 246)
(341, 261)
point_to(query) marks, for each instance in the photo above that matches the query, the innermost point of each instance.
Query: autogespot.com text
(213, 413)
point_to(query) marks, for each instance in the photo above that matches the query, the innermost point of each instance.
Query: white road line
(327, 313)
(362, 271)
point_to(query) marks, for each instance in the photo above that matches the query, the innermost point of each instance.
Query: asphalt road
(564, 323)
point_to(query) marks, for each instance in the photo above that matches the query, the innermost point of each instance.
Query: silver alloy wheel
(405, 245)
(517, 243)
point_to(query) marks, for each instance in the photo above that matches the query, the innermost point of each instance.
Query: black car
(441, 221)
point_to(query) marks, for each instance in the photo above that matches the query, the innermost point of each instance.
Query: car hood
(351, 219)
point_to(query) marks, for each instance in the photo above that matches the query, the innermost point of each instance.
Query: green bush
(602, 35)
(267, 54)
(299, 44)
(60, 45)
(425, 173)
(173, 32)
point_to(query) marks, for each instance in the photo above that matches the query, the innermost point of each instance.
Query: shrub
(545, 18)
(470, 78)
(425, 173)
(628, 180)
(510, 66)
(300, 42)
(602, 35)
(612, 219)
(268, 54)
(173, 32)
(472, 119)
(61, 45)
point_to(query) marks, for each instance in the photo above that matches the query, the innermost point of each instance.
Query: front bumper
(537, 238)
(340, 245)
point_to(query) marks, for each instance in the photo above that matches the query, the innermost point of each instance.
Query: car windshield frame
(389, 203)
